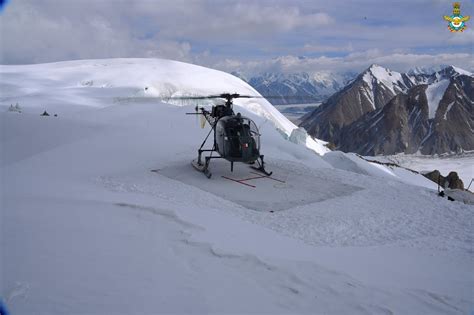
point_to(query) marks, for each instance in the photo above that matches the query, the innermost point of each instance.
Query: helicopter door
(255, 134)
(250, 141)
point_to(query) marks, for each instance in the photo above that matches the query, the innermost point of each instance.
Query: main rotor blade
(191, 97)
(288, 97)
(224, 96)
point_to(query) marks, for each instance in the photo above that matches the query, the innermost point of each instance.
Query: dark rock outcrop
(451, 130)
(454, 182)
(370, 91)
(451, 181)
(401, 115)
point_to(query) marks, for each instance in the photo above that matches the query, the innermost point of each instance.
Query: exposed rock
(451, 129)
(454, 182)
(394, 115)
(370, 91)
(451, 181)
(436, 177)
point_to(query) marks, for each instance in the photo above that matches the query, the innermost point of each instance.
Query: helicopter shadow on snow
(291, 185)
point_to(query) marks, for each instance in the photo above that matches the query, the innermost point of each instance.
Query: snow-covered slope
(391, 80)
(297, 88)
(88, 228)
(122, 80)
(434, 93)
(463, 164)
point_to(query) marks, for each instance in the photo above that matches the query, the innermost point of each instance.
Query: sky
(239, 35)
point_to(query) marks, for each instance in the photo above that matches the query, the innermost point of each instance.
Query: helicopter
(236, 138)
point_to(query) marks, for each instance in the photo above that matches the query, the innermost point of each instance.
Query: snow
(87, 228)
(370, 96)
(324, 77)
(353, 163)
(447, 110)
(434, 93)
(462, 195)
(375, 123)
(422, 70)
(461, 71)
(389, 78)
(146, 78)
(463, 164)
(330, 79)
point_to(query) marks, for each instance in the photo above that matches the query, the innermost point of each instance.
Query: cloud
(231, 20)
(319, 48)
(31, 35)
(171, 50)
(401, 62)
(47, 30)
(462, 38)
(264, 35)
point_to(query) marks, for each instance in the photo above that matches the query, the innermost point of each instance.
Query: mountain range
(297, 88)
(386, 112)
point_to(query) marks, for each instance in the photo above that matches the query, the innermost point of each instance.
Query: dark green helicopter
(235, 138)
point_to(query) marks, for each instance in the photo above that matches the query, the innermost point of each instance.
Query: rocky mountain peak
(375, 67)
(297, 87)
(386, 112)
(451, 71)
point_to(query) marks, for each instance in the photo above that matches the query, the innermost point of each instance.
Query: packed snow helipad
(291, 185)
(88, 228)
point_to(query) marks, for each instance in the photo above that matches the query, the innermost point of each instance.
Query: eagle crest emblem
(456, 20)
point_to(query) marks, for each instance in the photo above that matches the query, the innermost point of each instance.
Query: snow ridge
(149, 78)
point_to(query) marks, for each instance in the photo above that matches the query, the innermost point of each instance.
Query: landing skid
(203, 168)
(262, 170)
(261, 167)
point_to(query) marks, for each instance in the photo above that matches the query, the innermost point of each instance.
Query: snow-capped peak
(384, 74)
(324, 77)
(375, 66)
(461, 71)
(437, 88)
(451, 71)
(423, 70)
(390, 79)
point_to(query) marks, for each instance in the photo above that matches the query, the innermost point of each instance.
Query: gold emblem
(456, 20)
